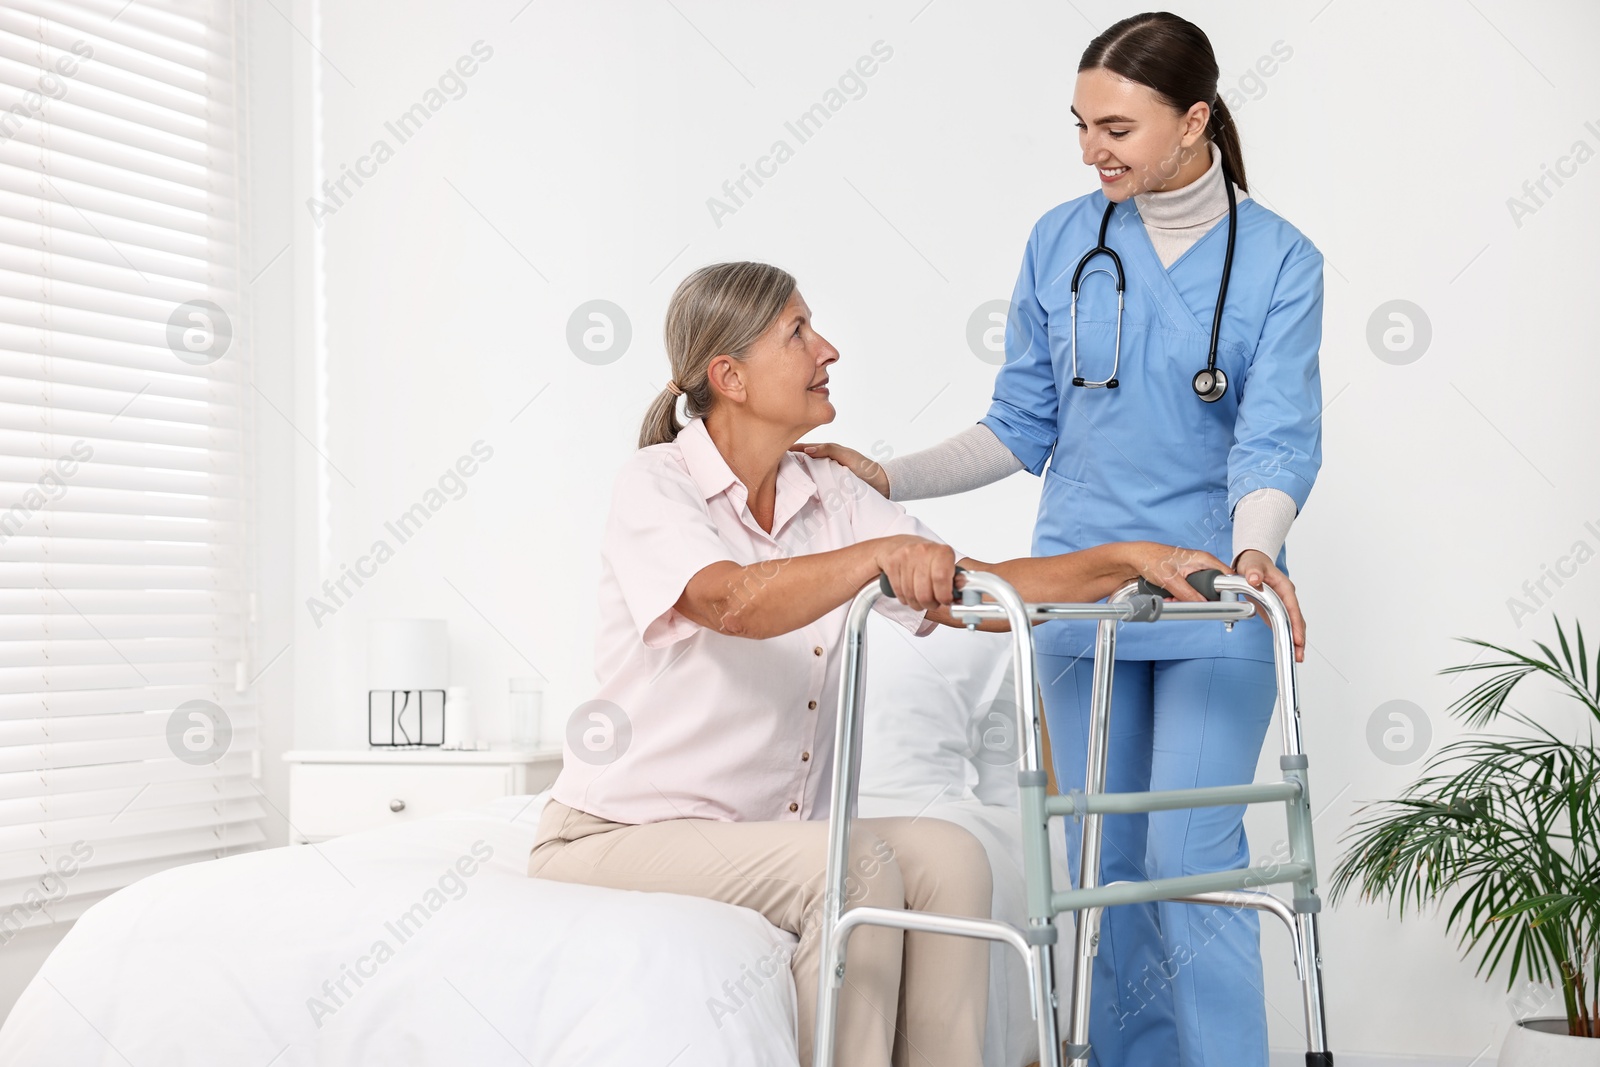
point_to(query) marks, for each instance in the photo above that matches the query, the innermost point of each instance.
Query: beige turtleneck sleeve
(1175, 219)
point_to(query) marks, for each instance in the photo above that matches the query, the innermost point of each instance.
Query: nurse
(1151, 459)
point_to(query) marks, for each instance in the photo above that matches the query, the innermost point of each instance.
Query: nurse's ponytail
(1226, 136)
(1172, 56)
(718, 310)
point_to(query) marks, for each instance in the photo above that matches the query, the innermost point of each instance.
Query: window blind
(126, 743)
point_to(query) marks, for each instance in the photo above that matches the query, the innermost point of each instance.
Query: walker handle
(883, 584)
(1204, 582)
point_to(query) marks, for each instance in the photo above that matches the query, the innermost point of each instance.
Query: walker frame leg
(1087, 937)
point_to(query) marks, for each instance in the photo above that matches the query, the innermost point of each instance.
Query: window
(126, 743)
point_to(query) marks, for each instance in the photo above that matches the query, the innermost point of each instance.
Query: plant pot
(1544, 1042)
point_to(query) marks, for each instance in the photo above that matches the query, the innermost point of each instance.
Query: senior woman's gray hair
(719, 309)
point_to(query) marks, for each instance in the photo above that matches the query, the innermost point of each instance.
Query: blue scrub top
(1149, 460)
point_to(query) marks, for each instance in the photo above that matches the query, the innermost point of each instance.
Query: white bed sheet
(220, 963)
(238, 961)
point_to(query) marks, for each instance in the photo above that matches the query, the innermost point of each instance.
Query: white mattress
(237, 961)
(222, 963)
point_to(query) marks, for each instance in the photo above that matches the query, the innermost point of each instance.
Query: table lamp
(408, 670)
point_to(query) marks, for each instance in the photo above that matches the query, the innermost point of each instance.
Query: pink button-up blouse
(689, 723)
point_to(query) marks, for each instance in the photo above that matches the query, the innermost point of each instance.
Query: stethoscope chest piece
(1210, 384)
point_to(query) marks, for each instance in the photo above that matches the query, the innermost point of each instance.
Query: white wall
(577, 164)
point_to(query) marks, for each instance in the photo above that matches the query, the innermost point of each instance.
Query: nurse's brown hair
(1172, 56)
(718, 310)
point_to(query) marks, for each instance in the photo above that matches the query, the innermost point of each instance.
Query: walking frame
(1229, 599)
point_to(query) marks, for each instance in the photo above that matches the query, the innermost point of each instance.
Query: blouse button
(812, 705)
(793, 806)
(817, 651)
(805, 756)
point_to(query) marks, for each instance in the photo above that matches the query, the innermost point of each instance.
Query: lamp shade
(407, 654)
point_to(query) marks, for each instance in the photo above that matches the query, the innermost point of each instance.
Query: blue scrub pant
(1174, 984)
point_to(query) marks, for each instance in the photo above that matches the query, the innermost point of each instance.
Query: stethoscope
(1210, 383)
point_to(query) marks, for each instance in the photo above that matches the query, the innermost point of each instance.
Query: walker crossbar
(1233, 599)
(1167, 799)
(1250, 898)
(989, 929)
(1127, 611)
(1167, 888)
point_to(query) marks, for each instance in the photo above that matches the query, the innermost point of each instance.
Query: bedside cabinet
(335, 792)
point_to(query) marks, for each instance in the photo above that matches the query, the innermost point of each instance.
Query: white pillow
(933, 728)
(997, 754)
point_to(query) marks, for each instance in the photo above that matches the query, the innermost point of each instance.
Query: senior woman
(703, 765)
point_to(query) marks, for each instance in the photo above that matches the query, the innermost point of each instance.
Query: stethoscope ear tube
(1121, 282)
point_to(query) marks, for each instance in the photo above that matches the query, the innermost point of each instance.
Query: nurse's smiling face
(1133, 139)
(782, 381)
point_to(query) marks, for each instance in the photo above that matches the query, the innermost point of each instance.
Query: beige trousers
(910, 999)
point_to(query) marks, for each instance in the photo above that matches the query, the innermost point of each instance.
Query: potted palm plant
(1506, 826)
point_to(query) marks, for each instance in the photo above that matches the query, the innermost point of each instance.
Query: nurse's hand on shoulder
(922, 573)
(868, 470)
(1256, 568)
